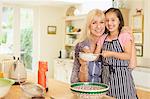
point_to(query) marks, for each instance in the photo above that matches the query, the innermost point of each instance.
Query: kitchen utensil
(89, 90)
(5, 85)
(18, 71)
(32, 89)
(88, 56)
(63, 53)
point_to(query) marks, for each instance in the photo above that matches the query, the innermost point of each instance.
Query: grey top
(93, 66)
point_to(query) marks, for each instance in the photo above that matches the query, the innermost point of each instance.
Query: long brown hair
(119, 15)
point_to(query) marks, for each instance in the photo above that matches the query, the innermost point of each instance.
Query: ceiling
(46, 2)
(41, 2)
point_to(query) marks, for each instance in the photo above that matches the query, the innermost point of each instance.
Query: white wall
(141, 74)
(132, 5)
(51, 44)
(145, 5)
(146, 28)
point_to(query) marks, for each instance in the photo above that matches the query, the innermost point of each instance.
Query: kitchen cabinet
(63, 69)
(73, 28)
(140, 76)
(142, 83)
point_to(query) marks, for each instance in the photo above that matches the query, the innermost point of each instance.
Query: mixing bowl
(88, 56)
(5, 85)
(89, 90)
(32, 89)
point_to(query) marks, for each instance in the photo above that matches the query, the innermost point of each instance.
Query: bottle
(1, 75)
(42, 74)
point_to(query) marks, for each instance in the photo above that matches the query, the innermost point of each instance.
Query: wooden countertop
(57, 90)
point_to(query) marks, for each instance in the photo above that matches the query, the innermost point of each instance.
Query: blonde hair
(86, 33)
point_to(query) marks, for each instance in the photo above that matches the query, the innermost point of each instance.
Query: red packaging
(42, 79)
(43, 66)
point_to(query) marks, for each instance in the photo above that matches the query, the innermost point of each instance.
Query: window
(26, 26)
(6, 36)
(16, 27)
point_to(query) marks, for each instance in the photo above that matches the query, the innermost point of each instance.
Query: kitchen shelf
(73, 33)
(73, 29)
(72, 18)
(71, 45)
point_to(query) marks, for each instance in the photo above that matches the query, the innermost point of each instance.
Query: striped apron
(116, 74)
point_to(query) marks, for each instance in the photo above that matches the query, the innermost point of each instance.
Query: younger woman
(116, 52)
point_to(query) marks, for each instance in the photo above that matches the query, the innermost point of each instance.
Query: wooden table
(57, 90)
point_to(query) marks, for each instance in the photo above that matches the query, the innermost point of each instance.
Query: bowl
(88, 56)
(89, 90)
(5, 85)
(32, 89)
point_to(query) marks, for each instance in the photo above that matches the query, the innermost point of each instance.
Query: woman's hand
(107, 53)
(119, 55)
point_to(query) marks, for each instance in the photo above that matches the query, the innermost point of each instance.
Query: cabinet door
(68, 69)
(58, 70)
(60, 73)
(62, 70)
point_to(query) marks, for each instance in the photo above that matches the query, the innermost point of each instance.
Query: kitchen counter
(16, 93)
(140, 75)
(57, 90)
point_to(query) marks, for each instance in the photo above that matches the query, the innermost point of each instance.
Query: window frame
(16, 33)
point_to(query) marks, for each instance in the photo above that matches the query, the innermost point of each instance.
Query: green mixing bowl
(89, 90)
(5, 85)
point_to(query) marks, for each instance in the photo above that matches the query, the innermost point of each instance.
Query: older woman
(89, 71)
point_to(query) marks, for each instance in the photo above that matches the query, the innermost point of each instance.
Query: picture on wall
(139, 50)
(51, 29)
(137, 23)
(138, 37)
